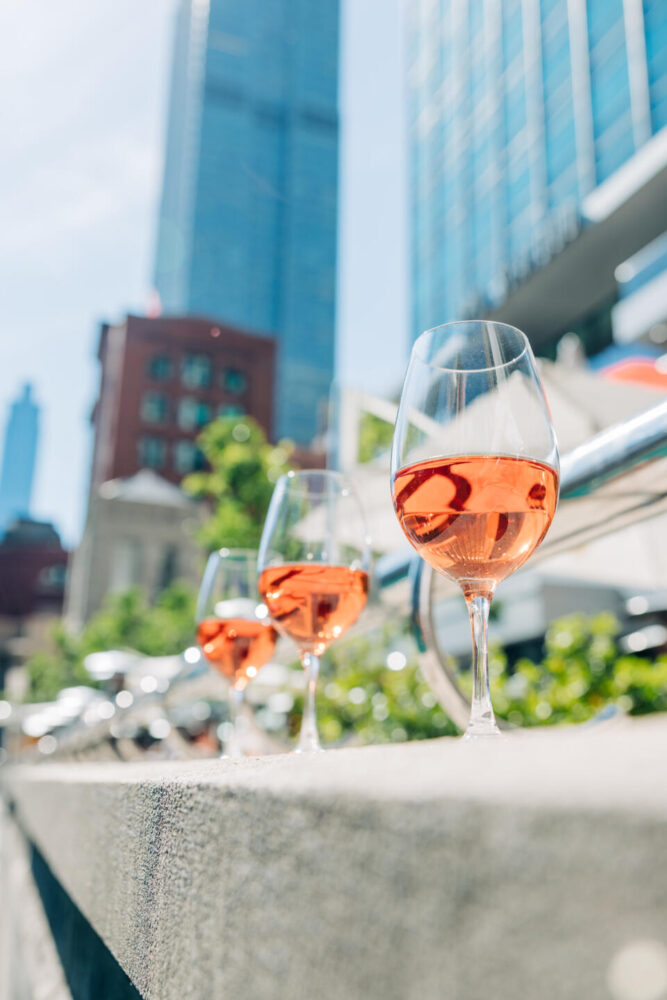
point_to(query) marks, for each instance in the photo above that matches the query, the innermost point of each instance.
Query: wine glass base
(482, 730)
(309, 749)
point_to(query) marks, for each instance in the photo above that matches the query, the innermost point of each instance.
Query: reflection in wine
(237, 647)
(476, 518)
(313, 603)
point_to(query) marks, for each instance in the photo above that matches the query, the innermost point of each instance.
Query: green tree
(361, 698)
(243, 470)
(126, 621)
(582, 672)
(50, 671)
(375, 436)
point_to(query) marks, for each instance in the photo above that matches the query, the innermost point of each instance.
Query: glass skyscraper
(18, 458)
(520, 112)
(247, 229)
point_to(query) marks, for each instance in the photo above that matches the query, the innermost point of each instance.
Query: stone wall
(532, 868)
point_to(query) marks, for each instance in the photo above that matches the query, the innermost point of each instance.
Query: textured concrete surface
(524, 868)
(30, 968)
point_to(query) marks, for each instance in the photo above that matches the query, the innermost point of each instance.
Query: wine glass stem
(482, 720)
(309, 739)
(233, 743)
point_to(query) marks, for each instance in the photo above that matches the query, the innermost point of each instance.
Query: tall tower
(538, 158)
(248, 218)
(18, 458)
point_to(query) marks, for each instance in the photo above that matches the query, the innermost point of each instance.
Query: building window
(187, 457)
(154, 408)
(152, 452)
(196, 371)
(160, 368)
(52, 577)
(230, 410)
(126, 564)
(193, 413)
(169, 568)
(234, 381)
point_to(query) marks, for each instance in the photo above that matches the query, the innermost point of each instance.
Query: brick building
(33, 564)
(162, 380)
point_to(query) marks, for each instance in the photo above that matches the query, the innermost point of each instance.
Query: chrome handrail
(614, 451)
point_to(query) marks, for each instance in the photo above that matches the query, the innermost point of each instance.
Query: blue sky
(83, 91)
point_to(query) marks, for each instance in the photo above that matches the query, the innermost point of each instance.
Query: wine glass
(474, 469)
(233, 630)
(313, 567)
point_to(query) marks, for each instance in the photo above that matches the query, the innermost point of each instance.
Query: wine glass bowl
(314, 604)
(476, 518)
(237, 647)
(233, 631)
(313, 570)
(474, 468)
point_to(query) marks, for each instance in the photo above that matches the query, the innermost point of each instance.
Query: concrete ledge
(429, 871)
(30, 967)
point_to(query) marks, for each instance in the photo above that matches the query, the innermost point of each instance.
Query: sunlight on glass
(159, 729)
(396, 660)
(241, 433)
(47, 744)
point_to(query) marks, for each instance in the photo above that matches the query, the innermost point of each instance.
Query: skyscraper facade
(248, 217)
(537, 155)
(18, 458)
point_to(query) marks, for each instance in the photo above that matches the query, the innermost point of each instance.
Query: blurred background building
(18, 458)
(164, 379)
(539, 166)
(33, 564)
(248, 217)
(139, 533)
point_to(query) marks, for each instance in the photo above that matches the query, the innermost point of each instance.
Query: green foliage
(126, 621)
(50, 671)
(375, 436)
(360, 697)
(243, 470)
(582, 671)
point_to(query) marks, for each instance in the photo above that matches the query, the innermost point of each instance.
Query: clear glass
(233, 629)
(474, 469)
(314, 562)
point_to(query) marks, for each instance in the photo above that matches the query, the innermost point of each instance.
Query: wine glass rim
(300, 478)
(550, 463)
(228, 552)
(470, 322)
